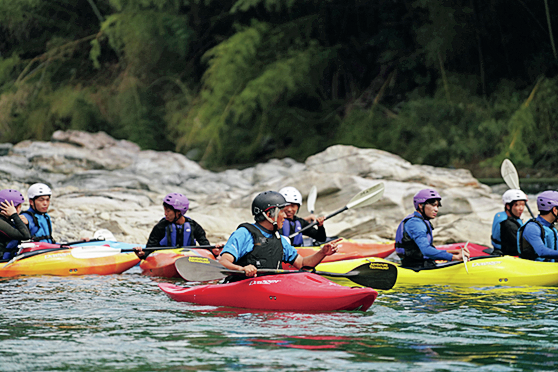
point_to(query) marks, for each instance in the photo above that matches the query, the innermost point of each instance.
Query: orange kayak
(349, 249)
(161, 263)
(64, 263)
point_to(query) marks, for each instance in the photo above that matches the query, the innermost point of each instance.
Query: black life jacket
(267, 252)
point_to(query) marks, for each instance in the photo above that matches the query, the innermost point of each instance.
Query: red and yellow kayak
(161, 263)
(63, 263)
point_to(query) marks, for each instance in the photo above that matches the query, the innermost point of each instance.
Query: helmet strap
(422, 211)
(510, 209)
(273, 221)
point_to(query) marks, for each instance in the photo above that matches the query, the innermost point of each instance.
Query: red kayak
(289, 292)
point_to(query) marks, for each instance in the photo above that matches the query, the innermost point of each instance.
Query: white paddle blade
(311, 203)
(94, 251)
(509, 174)
(367, 197)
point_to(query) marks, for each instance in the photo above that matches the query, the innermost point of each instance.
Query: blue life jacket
(549, 236)
(405, 247)
(172, 232)
(12, 249)
(496, 233)
(40, 226)
(293, 226)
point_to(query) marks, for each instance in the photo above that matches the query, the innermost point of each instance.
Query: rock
(103, 183)
(5, 148)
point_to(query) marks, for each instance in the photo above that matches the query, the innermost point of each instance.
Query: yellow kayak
(480, 271)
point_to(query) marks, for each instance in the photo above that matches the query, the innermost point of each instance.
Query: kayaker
(294, 223)
(40, 223)
(175, 229)
(12, 226)
(536, 239)
(506, 223)
(259, 245)
(413, 239)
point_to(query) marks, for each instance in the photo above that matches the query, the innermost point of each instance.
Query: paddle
(362, 199)
(377, 275)
(312, 195)
(510, 176)
(97, 251)
(465, 258)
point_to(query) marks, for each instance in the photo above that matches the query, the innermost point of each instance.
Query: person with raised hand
(293, 223)
(259, 245)
(506, 223)
(175, 229)
(12, 227)
(413, 238)
(537, 238)
(39, 221)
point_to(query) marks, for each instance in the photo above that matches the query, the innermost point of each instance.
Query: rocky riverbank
(100, 182)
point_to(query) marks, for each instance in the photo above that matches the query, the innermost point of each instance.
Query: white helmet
(38, 189)
(291, 195)
(513, 195)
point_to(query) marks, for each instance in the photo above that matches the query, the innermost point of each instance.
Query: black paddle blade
(377, 275)
(201, 269)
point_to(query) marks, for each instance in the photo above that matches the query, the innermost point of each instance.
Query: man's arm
(311, 261)
(199, 233)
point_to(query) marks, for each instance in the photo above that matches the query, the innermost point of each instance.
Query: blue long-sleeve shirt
(532, 233)
(418, 231)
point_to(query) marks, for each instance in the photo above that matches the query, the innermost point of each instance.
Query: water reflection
(125, 322)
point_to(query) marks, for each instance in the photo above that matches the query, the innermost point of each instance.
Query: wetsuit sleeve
(418, 232)
(317, 232)
(289, 252)
(239, 244)
(532, 234)
(157, 234)
(19, 232)
(199, 233)
(508, 237)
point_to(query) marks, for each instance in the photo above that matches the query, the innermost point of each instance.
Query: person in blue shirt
(506, 224)
(413, 239)
(536, 239)
(40, 224)
(261, 246)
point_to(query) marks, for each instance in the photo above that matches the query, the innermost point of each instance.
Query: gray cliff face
(99, 182)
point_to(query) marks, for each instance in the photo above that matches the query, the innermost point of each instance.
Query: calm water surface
(124, 322)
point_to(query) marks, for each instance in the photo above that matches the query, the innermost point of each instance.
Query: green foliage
(7, 68)
(143, 38)
(250, 79)
(13, 12)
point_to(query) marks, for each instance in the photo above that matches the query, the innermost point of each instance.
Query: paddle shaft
(208, 247)
(315, 222)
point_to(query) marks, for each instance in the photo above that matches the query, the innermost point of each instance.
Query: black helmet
(267, 200)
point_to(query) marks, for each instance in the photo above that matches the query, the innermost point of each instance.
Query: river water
(124, 322)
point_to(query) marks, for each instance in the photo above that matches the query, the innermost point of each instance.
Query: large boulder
(103, 183)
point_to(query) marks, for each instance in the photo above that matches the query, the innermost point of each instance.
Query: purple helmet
(546, 200)
(11, 195)
(424, 195)
(177, 201)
